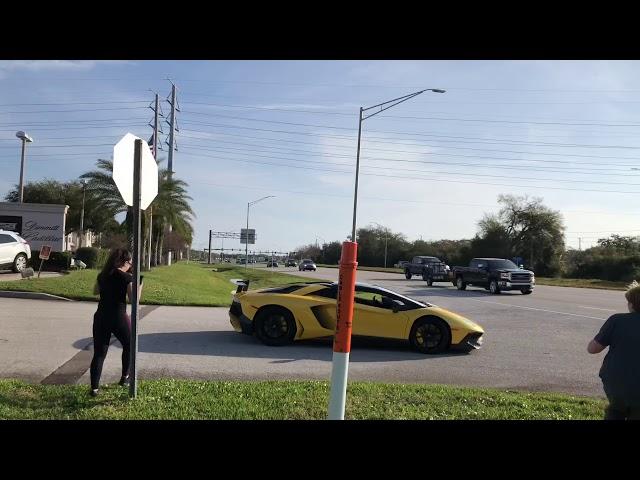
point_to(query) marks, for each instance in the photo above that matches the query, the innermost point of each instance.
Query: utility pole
(209, 248)
(580, 243)
(154, 150)
(84, 188)
(172, 145)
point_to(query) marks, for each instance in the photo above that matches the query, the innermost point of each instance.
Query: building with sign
(38, 223)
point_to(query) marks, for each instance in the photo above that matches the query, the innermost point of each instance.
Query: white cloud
(8, 66)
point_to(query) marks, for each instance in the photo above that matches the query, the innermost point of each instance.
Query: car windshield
(307, 261)
(502, 264)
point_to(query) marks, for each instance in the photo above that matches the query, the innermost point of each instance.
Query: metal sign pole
(135, 301)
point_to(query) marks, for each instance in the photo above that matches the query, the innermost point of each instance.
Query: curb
(31, 295)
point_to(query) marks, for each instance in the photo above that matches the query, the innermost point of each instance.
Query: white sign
(123, 171)
(38, 223)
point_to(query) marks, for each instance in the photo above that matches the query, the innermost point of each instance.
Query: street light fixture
(25, 139)
(246, 255)
(383, 106)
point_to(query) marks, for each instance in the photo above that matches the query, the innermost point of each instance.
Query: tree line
(524, 229)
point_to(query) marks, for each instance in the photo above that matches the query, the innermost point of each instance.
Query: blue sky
(565, 131)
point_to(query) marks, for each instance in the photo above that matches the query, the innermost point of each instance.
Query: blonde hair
(633, 295)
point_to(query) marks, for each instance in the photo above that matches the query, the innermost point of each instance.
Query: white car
(15, 252)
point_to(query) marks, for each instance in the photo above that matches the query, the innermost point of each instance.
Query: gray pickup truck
(432, 269)
(495, 275)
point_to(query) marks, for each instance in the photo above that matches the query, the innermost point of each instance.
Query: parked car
(291, 263)
(284, 314)
(495, 275)
(307, 264)
(401, 263)
(432, 269)
(15, 251)
(272, 263)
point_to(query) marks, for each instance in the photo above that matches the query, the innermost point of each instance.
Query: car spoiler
(243, 285)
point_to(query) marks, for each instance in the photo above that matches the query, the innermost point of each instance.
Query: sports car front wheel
(430, 335)
(275, 326)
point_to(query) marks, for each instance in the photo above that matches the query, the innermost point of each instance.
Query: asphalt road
(533, 342)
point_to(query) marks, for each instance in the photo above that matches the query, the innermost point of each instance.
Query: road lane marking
(537, 309)
(595, 308)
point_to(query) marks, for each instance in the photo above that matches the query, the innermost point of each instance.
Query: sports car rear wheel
(430, 335)
(275, 326)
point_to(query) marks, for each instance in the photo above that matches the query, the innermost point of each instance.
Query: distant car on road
(307, 264)
(15, 251)
(272, 263)
(291, 263)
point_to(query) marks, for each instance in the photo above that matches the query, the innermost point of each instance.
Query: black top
(113, 291)
(620, 370)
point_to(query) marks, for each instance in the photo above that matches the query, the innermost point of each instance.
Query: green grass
(582, 283)
(182, 283)
(299, 400)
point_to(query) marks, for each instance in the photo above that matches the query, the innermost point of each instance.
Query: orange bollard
(346, 293)
(344, 323)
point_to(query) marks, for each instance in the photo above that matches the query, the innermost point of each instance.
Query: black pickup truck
(494, 274)
(432, 269)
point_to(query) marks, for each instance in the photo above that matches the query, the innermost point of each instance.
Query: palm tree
(170, 207)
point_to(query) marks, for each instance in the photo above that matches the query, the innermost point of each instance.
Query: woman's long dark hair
(117, 258)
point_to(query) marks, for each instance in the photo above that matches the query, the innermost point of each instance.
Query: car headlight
(504, 276)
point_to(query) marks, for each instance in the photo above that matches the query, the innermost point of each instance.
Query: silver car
(307, 264)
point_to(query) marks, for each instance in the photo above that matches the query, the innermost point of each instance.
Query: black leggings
(104, 324)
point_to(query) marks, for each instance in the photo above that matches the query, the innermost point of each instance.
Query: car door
(7, 248)
(482, 275)
(373, 319)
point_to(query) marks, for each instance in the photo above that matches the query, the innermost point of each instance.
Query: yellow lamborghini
(300, 311)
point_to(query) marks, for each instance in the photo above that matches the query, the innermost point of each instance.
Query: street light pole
(25, 139)
(383, 106)
(246, 255)
(84, 187)
(342, 338)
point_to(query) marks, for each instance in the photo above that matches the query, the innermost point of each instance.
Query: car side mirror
(396, 305)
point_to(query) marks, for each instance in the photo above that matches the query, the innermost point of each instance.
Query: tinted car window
(326, 292)
(502, 264)
(4, 238)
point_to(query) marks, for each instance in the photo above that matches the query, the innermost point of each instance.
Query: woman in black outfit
(114, 284)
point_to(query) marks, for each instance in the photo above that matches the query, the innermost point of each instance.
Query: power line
(509, 167)
(420, 178)
(85, 127)
(73, 111)
(253, 154)
(408, 133)
(68, 103)
(371, 140)
(44, 123)
(352, 113)
(65, 146)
